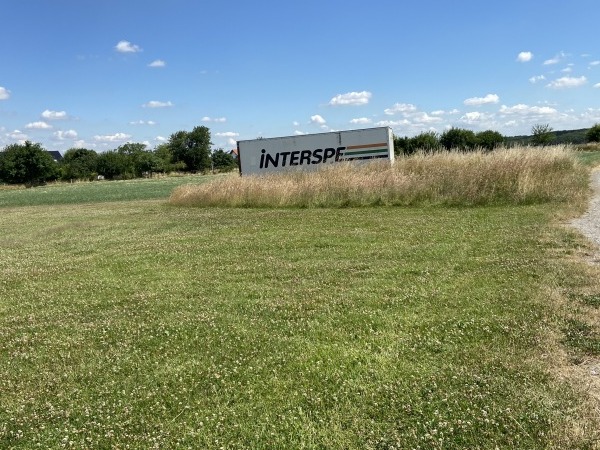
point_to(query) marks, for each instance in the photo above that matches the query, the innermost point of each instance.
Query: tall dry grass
(522, 175)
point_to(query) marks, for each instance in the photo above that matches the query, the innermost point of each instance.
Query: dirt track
(589, 223)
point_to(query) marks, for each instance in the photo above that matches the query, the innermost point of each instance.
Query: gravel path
(589, 223)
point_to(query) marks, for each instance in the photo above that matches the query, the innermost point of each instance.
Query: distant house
(234, 153)
(56, 156)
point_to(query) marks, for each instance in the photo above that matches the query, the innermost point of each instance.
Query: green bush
(593, 134)
(458, 139)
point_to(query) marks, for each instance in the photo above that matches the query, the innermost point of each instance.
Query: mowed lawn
(136, 324)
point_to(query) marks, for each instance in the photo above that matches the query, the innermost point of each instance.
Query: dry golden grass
(523, 175)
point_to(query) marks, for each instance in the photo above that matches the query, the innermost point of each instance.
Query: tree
(427, 140)
(27, 163)
(593, 134)
(137, 159)
(112, 164)
(79, 164)
(489, 139)
(222, 160)
(541, 134)
(458, 139)
(192, 148)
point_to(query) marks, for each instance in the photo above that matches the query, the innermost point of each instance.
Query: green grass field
(136, 324)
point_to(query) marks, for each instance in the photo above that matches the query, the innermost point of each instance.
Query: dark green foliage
(541, 134)
(593, 134)
(192, 148)
(427, 141)
(223, 161)
(79, 164)
(27, 163)
(113, 165)
(489, 139)
(458, 139)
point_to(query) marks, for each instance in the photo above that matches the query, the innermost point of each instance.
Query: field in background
(145, 325)
(97, 191)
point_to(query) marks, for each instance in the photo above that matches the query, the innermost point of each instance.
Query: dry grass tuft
(522, 175)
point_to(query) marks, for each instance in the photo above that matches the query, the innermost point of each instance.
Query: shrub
(458, 139)
(489, 139)
(593, 134)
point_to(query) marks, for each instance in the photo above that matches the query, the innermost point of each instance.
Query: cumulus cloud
(597, 85)
(400, 108)
(537, 78)
(62, 135)
(157, 63)
(143, 122)
(157, 104)
(38, 126)
(127, 47)
(299, 133)
(4, 93)
(215, 119)
(522, 109)
(558, 58)
(567, 82)
(54, 115)
(117, 137)
(229, 134)
(361, 121)
(317, 119)
(18, 135)
(351, 98)
(525, 57)
(478, 101)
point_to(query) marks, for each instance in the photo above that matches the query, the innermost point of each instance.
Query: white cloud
(232, 142)
(296, 123)
(54, 115)
(18, 135)
(400, 108)
(424, 118)
(595, 63)
(161, 139)
(537, 78)
(157, 63)
(117, 137)
(351, 98)
(558, 58)
(4, 93)
(525, 57)
(157, 104)
(143, 122)
(567, 82)
(38, 126)
(230, 134)
(299, 133)
(597, 85)
(522, 109)
(216, 119)
(317, 119)
(62, 135)
(567, 70)
(127, 47)
(478, 101)
(393, 123)
(361, 121)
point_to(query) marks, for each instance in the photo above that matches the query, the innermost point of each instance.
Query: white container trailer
(313, 151)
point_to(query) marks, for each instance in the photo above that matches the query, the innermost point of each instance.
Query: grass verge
(142, 325)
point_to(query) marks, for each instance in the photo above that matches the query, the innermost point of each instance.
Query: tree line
(466, 140)
(186, 151)
(189, 151)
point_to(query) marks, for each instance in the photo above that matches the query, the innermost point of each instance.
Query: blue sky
(97, 74)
